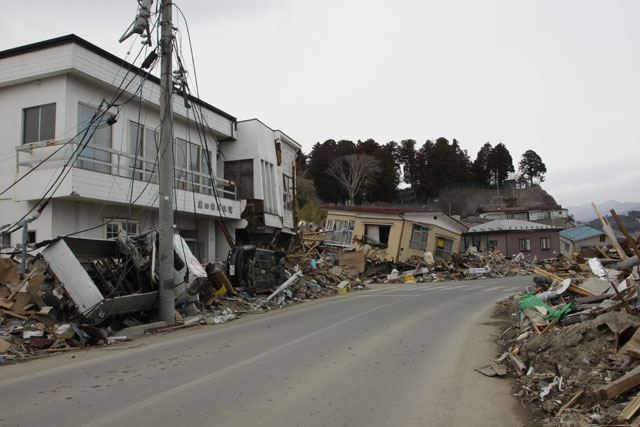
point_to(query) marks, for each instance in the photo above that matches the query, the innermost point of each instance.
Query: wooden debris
(570, 403)
(618, 386)
(517, 364)
(630, 410)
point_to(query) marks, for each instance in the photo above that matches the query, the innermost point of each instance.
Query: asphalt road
(387, 357)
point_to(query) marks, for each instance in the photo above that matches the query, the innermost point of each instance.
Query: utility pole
(166, 168)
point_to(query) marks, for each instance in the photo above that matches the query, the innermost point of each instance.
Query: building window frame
(340, 232)
(545, 243)
(525, 244)
(39, 123)
(419, 237)
(143, 144)
(114, 226)
(100, 136)
(444, 246)
(287, 192)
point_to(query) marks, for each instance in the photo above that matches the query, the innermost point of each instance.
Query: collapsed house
(399, 233)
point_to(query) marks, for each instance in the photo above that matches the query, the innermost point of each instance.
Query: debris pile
(573, 340)
(371, 265)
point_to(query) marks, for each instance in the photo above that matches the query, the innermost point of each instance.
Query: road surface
(401, 355)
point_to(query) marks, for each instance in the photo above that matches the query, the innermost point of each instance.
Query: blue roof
(580, 232)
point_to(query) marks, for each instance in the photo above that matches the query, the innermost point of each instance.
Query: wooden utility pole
(166, 173)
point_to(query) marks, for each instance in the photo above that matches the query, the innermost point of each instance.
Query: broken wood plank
(13, 314)
(33, 289)
(21, 284)
(603, 253)
(549, 326)
(609, 231)
(581, 291)
(22, 301)
(632, 407)
(6, 304)
(517, 364)
(619, 386)
(570, 403)
(499, 369)
(630, 241)
(4, 345)
(631, 348)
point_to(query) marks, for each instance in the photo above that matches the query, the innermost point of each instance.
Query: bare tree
(353, 170)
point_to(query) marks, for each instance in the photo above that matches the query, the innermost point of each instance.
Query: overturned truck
(105, 278)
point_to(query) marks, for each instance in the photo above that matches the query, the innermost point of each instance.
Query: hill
(468, 201)
(585, 213)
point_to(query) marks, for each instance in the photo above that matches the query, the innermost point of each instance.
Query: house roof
(375, 209)
(509, 225)
(525, 208)
(395, 210)
(580, 232)
(72, 38)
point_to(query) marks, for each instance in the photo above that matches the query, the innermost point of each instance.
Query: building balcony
(106, 174)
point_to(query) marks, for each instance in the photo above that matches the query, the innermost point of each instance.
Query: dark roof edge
(72, 38)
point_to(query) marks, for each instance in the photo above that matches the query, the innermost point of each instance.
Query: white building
(262, 163)
(50, 90)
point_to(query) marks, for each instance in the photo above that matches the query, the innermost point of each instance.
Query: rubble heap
(573, 340)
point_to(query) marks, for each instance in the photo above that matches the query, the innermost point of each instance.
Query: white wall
(13, 100)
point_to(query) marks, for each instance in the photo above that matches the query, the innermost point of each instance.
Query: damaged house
(581, 237)
(262, 163)
(400, 233)
(512, 236)
(52, 90)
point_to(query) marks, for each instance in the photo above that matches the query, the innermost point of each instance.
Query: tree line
(367, 171)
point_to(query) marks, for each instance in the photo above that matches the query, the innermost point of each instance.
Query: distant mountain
(585, 213)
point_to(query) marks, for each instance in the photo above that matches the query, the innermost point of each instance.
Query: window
(603, 238)
(99, 134)
(341, 232)
(241, 172)
(444, 247)
(377, 234)
(191, 161)
(479, 241)
(493, 244)
(567, 247)
(545, 243)
(126, 226)
(31, 235)
(525, 245)
(5, 240)
(287, 192)
(419, 236)
(205, 168)
(143, 144)
(39, 123)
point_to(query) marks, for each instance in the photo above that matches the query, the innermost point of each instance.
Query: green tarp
(532, 301)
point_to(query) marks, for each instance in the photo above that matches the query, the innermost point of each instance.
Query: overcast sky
(559, 77)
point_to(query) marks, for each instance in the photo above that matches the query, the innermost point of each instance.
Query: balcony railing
(118, 163)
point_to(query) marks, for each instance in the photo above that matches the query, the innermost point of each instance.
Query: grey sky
(559, 77)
